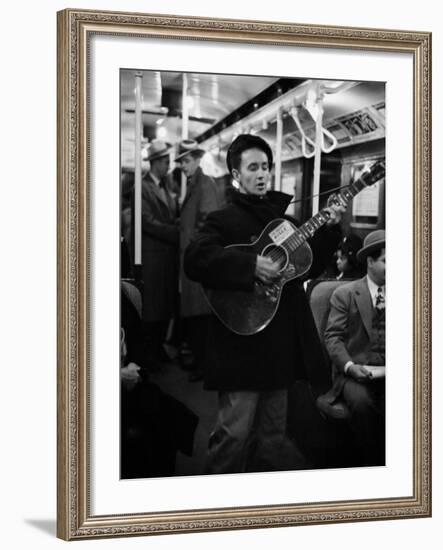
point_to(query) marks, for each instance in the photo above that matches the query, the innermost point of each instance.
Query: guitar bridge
(289, 273)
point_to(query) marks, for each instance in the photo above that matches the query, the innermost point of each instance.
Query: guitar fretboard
(307, 230)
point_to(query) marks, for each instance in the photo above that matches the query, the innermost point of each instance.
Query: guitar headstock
(375, 173)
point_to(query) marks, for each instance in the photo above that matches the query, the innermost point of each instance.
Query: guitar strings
(340, 187)
(279, 253)
(299, 236)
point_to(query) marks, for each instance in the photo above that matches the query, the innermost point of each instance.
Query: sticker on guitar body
(282, 232)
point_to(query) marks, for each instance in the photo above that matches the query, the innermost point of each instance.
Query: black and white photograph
(252, 273)
(232, 352)
(203, 347)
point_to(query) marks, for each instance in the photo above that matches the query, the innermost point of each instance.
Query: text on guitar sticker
(281, 232)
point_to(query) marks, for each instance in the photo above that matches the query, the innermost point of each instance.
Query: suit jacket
(202, 197)
(348, 331)
(349, 327)
(159, 251)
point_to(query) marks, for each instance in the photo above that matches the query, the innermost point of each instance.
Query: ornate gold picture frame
(76, 517)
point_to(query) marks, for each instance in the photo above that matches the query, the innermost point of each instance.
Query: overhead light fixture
(161, 133)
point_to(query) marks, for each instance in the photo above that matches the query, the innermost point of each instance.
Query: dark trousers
(155, 335)
(366, 402)
(249, 434)
(196, 334)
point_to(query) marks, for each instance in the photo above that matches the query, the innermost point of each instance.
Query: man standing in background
(159, 252)
(202, 197)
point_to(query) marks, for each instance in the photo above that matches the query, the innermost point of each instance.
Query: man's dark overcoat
(159, 251)
(289, 347)
(201, 198)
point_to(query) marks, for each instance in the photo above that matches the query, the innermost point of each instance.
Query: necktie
(162, 190)
(379, 300)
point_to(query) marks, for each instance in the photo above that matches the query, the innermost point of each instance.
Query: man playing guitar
(252, 370)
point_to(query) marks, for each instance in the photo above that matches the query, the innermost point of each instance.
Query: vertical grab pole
(278, 147)
(138, 177)
(317, 156)
(185, 128)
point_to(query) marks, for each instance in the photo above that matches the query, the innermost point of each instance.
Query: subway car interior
(324, 136)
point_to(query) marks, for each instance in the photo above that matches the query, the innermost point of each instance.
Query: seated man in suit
(355, 340)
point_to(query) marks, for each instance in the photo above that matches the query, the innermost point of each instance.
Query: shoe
(336, 410)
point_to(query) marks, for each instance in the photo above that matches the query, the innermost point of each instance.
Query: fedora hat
(158, 149)
(373, 241)
(187, 146)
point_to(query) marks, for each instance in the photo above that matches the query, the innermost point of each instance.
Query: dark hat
(373, 241)
(187, 146)
(158, 149)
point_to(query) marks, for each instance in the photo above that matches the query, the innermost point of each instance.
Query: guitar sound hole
(277, 254)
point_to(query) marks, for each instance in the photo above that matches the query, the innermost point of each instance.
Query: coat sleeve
(161, 230)
(336, 332)
(208, 262)
(208, 202)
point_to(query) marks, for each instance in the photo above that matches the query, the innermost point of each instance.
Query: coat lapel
(364, 303)
(155, 190)
(190, 190)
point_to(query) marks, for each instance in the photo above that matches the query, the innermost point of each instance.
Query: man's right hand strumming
(266, 270)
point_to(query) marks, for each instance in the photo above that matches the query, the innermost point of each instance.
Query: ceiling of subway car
(211, 97)
(353, 112)
(352, 115)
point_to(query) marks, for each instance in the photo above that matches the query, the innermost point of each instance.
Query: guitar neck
(307, 230)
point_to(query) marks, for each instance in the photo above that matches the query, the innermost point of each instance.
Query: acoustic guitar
(249, 312)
